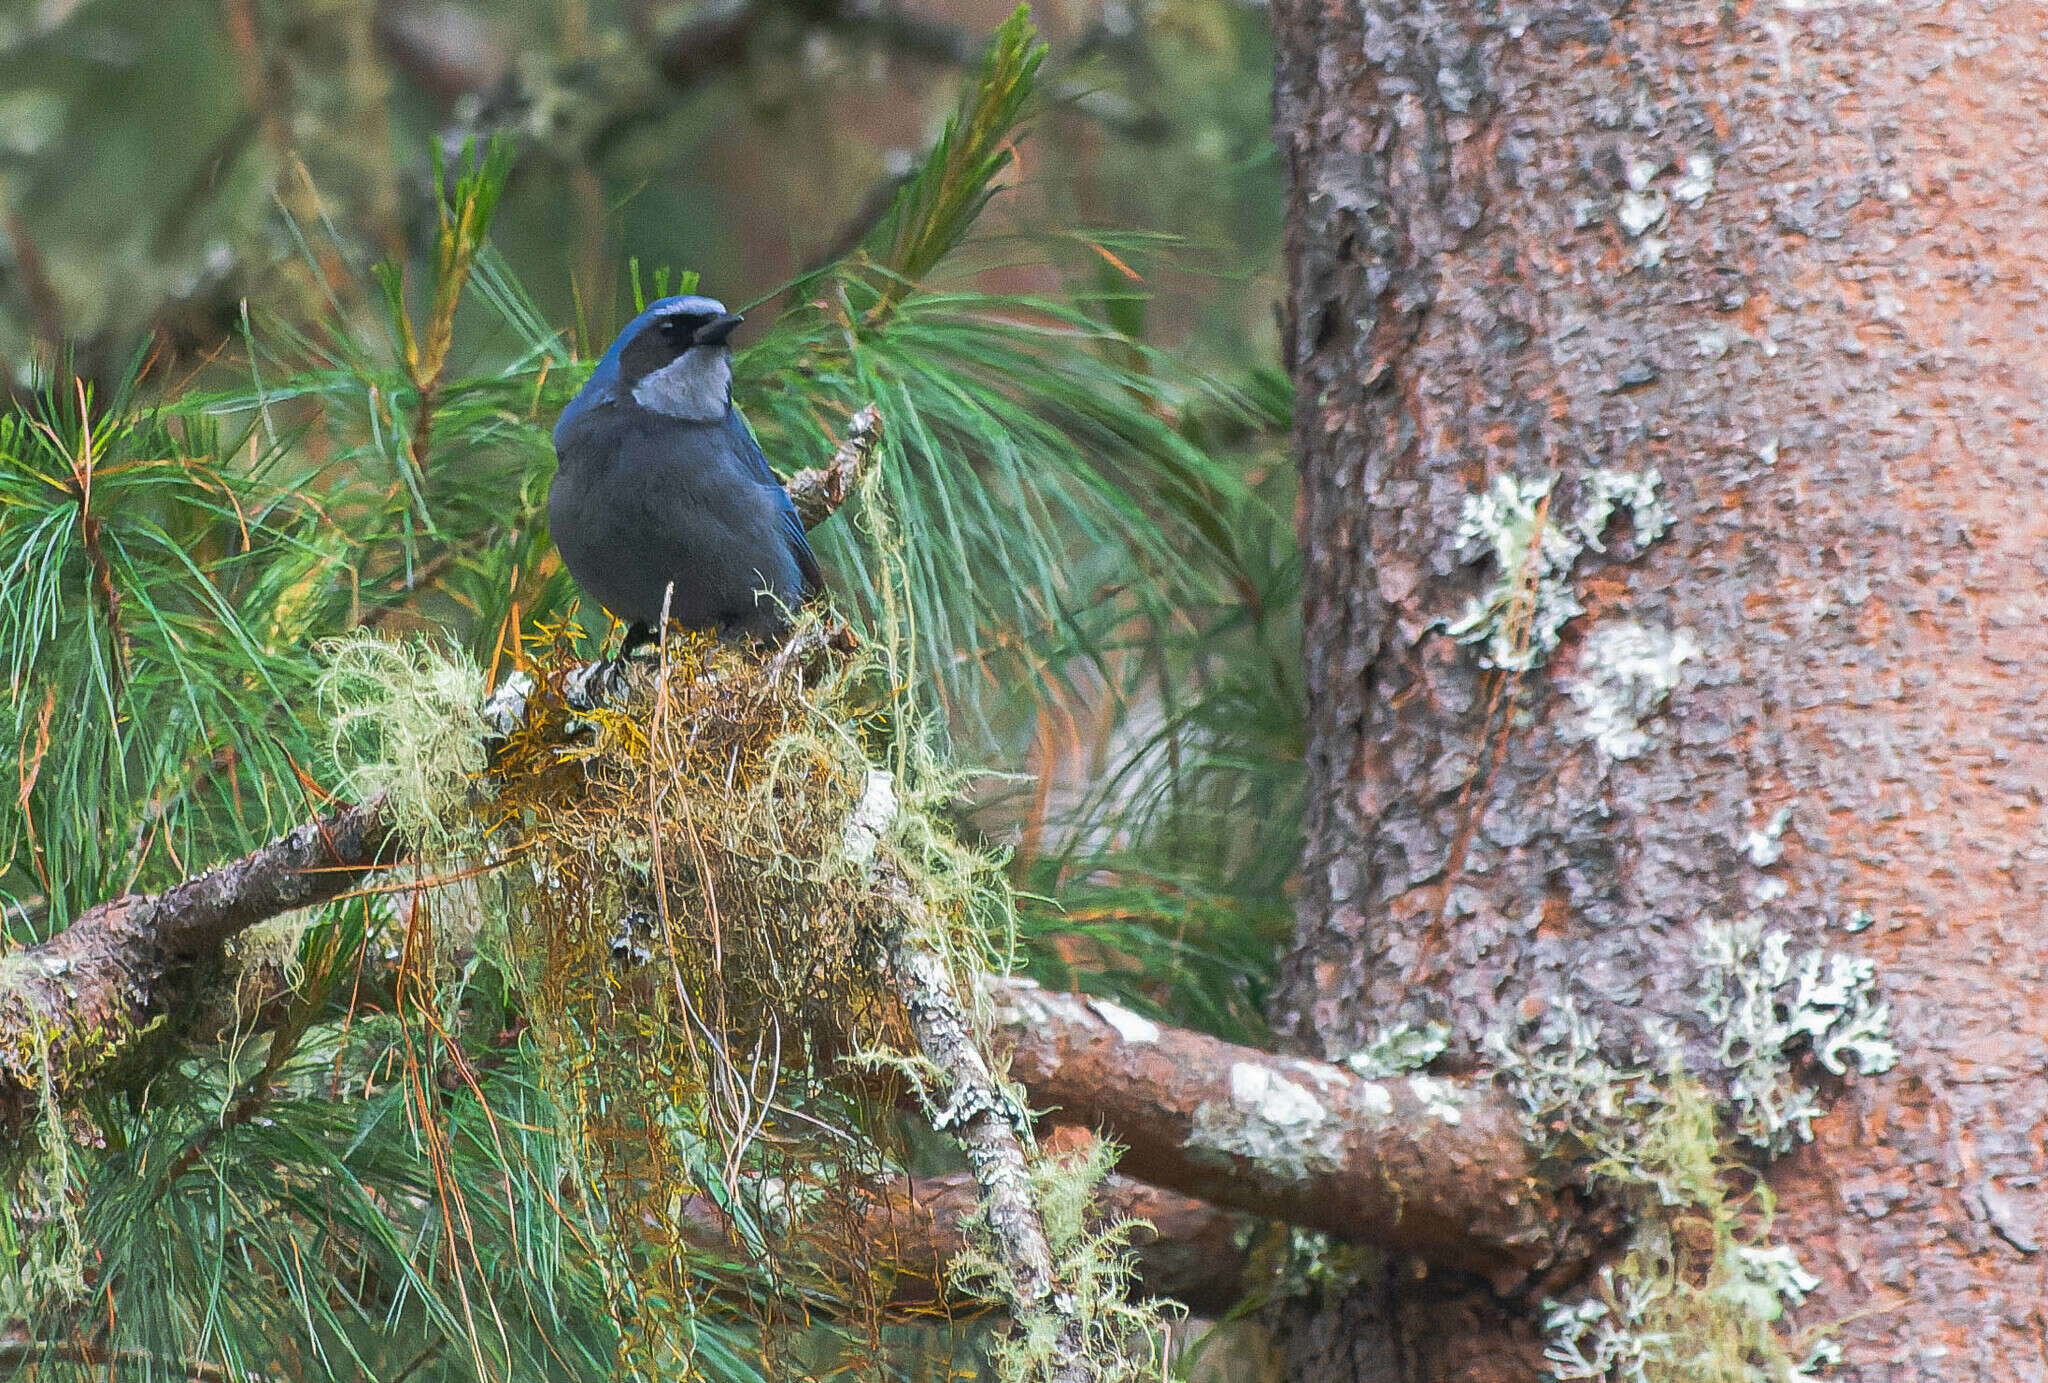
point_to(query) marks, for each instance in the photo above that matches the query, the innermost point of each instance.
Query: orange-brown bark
(1789, 257)
(1432, 1167)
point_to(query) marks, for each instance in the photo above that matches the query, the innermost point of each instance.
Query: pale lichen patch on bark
(1521, 617)
(1375, 1099)
(1697, 182)
(1627, 671)
(1274, 1122)
(1765, 846)
(1131, 1027)
(1763, 1003)
(1440, 1097)
(1025, 1002)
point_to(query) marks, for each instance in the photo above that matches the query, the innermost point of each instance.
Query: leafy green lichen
(1699, 1293)
(1766, 1004)
(1520, 618)
(1402, 1048)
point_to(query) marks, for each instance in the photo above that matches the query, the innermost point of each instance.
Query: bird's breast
(637, 507)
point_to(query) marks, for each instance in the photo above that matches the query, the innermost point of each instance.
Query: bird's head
(674, 358)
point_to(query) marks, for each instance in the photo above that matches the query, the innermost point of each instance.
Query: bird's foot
(593, 685)
(600, 683)
(606, 680)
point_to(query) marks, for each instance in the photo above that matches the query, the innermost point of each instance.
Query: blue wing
(749, 451)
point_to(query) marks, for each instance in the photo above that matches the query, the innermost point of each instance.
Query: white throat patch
(694, 386)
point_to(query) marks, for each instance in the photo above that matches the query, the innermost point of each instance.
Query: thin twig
(989, 1122)
(819, 491)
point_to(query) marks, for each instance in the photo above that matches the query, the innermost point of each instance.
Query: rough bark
(1430, 1167)
(1502, 260)
(78, 1000)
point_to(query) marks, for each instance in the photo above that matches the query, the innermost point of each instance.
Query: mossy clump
(41, 1238)
(692, 955)
(404, 724)
(702, 812)
(1699, 1294)
(691, 886)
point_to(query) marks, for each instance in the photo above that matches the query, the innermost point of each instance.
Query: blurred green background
(154, 154)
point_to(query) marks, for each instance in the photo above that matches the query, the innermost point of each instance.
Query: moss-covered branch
(1435, 1168)
(75, 1002)
(986, 1121)
(979, 1110)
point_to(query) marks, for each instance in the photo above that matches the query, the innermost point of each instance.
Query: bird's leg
(605, 680)
(796, 651)
(638, 635)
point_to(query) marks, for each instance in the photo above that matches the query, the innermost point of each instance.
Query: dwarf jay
(661, 481)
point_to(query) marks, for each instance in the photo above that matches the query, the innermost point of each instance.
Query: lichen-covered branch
(979, 1111)
(1065, 1291)
(1434, 1167)
(818, 492)
(1191, 1251)
(76, 1001)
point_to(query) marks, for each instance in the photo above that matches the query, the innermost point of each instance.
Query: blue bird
(661, 481)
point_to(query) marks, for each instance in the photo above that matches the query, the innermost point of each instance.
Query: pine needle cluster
(529, 1107)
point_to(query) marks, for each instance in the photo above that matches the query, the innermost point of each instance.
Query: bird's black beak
(714, 332)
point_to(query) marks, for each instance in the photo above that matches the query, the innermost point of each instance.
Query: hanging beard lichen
(689, 951)
(680, 887)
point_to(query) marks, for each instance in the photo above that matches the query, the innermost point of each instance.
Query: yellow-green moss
(1699, 1295)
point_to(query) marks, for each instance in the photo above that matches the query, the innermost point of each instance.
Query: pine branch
(25, 1355)
(1429, 1166)
(74, 1003)
(988, 1122)
(1378, 1161)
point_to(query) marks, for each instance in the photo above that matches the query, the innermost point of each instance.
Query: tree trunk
(1784, 255)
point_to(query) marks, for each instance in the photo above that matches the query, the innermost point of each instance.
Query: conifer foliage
(474, 1120)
